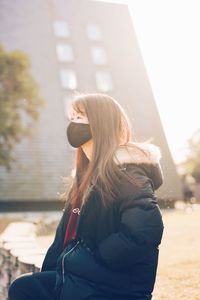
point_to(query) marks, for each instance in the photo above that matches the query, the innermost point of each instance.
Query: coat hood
(144, 155)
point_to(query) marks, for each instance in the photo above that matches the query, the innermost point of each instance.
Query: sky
(168, 32)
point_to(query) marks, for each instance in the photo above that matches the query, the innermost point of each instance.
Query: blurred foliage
(19, 103)
(193, 159)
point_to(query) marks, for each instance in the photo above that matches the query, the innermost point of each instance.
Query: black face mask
(78, 134)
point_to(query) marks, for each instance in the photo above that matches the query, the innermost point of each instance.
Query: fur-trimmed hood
(138, 153)
(144, 155)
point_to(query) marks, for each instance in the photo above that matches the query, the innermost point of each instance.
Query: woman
(106, 243)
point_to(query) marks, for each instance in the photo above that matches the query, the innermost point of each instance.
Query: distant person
(106, 245)
(188, 187)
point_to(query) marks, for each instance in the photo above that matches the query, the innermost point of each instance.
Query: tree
(19, 102)
(193, 159)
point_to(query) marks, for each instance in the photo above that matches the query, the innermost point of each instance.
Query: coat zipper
(78, 242)
(63, 270)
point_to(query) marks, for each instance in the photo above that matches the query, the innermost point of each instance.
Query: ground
(178, 273)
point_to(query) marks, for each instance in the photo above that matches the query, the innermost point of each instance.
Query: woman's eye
(72, 118)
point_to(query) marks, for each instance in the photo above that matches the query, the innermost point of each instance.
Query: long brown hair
(110, 128)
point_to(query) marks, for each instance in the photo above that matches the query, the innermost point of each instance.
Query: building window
(61, 29)
(68, 79)
(103, 81)
(66, 103)
(94, 32)
(64, 52)
(98, 55)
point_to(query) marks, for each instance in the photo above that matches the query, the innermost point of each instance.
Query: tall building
(82, 45)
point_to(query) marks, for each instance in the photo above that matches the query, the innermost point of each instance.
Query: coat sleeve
(139, 235)
(55, 249)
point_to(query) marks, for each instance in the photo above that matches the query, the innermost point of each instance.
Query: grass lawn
(178, 274)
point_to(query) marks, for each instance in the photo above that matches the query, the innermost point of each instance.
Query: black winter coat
(115, 252)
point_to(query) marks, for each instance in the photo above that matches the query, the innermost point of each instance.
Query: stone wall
(19, 254)
(10, 268)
